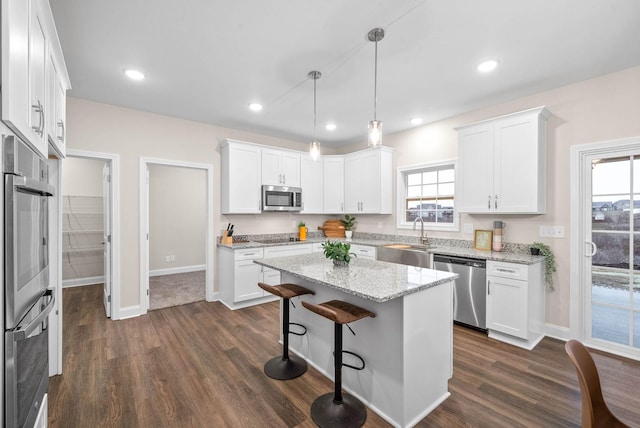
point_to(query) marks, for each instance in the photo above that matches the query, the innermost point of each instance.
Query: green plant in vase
(550, 261)
(349, 223)
(339, 252)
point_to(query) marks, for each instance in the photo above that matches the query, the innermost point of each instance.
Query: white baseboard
(557, 332)
(129, 312)
(215, 297)
(172, 271)
(79, 282)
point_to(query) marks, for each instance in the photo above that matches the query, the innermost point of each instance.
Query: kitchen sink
(405, 254)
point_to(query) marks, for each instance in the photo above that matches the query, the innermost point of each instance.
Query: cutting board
(333, 229)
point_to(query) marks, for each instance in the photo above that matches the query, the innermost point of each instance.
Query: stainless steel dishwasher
(469, 291)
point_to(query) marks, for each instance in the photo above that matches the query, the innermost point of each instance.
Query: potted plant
(338, 252)
(302, 231)
(538, 248)
(349, 223)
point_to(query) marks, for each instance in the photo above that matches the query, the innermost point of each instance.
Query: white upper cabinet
(333, 179)
(368, 178)
(280, 168)
(241, 178)
(29, 40)
(502, 164)
(311, 183)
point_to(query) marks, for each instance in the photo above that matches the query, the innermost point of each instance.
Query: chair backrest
(588, 378)
(593, 403)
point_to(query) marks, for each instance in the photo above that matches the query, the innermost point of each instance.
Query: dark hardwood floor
(200, 365)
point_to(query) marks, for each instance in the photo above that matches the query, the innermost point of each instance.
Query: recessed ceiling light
(134, 74)
(416, 121)
(255, 107)
(330, 127)
(487, 66)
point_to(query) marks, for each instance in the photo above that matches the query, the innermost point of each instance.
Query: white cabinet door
(312, 185)
(502, 164)
(37, 79)
(333, 184)
(241, 176)
(247, 275)
(368, 177)
(507, 306)
(475, 169)
(271, 167)
(270, 276)
(56, 106)
(15, 65)
(352, 174)
(290, 167)
(517, 162)
(280, 168)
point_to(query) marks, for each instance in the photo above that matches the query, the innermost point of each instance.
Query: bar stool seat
(335, 409)
(287, 366)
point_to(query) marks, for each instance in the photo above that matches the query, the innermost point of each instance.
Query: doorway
(607, 247)
(166, 256)
(90, 224)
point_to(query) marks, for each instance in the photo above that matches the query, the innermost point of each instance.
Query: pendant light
(375, 126)
(314, 148)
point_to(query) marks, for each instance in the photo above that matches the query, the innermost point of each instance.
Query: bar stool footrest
(349, 413)
(284, 369)
(298, 325)
(355, 355)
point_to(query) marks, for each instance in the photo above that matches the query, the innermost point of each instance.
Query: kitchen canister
(498, 228)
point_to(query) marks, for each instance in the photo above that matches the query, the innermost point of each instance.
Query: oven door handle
(33, 186)
(22, 333)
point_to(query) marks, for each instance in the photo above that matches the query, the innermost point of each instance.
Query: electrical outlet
(551, 231)
(173, 258)
(167, 258)
(467, 228)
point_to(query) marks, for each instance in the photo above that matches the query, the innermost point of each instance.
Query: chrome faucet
(423, 239)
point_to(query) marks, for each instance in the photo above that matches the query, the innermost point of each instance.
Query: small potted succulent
(338, 252)
(349, 223)
(538, 248)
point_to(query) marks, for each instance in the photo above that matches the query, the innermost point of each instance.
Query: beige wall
(177, 216)
(82, 177)
(600, 109)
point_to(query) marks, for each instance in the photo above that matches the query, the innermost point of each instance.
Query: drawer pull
(506, 270)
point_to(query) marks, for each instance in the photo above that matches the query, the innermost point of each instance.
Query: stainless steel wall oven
(28, 300)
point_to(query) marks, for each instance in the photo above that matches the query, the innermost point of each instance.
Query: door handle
(594, 249)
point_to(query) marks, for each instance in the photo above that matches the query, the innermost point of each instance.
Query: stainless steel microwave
(281, 198)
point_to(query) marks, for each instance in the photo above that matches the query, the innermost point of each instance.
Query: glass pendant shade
(375, 133)
(314, 150)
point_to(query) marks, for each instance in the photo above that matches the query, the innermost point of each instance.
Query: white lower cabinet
(239, 275)
(364, 251)
(515, 303)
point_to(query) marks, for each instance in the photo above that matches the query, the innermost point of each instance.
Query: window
(427, 192)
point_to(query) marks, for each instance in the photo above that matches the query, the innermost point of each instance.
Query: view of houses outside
(615, 291)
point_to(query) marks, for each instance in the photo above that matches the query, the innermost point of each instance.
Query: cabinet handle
(341, 206)
(38, 108)
(284, 178)
(61, 125)
(249, 254)
(489, 202)
(506, 270)
(488, 287)
(496, 202)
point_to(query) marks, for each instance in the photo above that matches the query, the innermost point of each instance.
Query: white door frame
(114, 160)
(580, 176)
(144, 225)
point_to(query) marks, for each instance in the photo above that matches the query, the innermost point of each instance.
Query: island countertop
(369, 279)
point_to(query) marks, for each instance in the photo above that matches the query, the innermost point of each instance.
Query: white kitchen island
(407, 347)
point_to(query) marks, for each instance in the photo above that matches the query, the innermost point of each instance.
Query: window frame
(401, 196)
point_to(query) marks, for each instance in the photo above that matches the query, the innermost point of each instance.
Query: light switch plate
(551, 231)
(467, 228)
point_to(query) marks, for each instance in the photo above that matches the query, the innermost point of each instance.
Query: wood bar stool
(287, 366)
(336, 410)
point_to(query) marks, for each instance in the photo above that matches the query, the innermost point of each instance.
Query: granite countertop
(369, 279)
(437, 248)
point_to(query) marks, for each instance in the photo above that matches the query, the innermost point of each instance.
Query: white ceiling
(205, 60)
